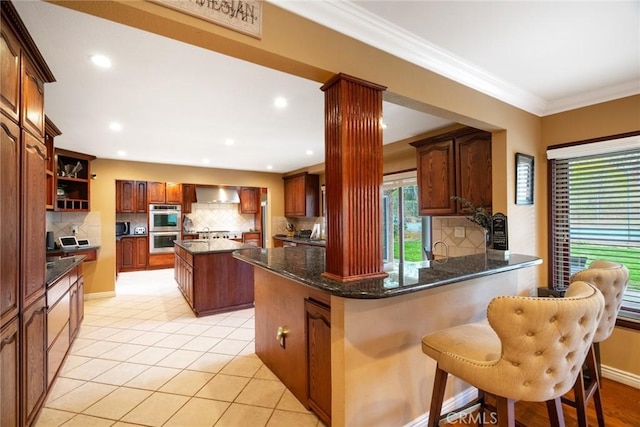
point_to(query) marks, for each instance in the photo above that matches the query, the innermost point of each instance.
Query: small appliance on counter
(123, 228)
(187, 225)
(140, 230)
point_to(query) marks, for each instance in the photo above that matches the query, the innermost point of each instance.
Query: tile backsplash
(88, 223)
(443, 228)
(220, 216)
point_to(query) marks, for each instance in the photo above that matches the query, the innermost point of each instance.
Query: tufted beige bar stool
(532, 349)
(611, 278)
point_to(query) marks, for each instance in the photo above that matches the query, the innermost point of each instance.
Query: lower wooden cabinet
(9, 379)
(133, 253)
(318, 323)
(301, 357)
(252, 238)
(33, 359)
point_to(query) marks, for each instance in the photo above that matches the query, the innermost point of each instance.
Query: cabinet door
(249, 203)
(125, 196)
(118, 256)
(436, 178)
(73, 311)
(173, 193)
(319, 358)
(80, 312)
(141, 252)
(10, 368)
(10, 66)
(34, 155)
(188, 197)
(140, 197)
(10, 214)
(33, 359)
(294, 196)
(473, 169)
(32, 99)
(127, 248)
(155, 192)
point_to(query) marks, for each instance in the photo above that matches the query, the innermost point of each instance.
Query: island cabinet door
(318, 320)
(280, 311)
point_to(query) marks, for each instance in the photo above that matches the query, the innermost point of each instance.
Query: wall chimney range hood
(217, 194)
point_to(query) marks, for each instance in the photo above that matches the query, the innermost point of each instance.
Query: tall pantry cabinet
(22, 212)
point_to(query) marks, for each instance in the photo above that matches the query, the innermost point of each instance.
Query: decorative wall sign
(244, 16)
(524, 179)
(500, 232)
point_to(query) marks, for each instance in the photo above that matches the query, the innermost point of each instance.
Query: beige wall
(100, 275)
(300, 47)
(621, 350)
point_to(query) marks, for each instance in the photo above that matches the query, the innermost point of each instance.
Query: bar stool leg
(554, 409)
(580, 399)
(506, 412)
(592, 368)
(439, 385)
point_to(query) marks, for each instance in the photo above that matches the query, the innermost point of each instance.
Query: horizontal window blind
(595, 211)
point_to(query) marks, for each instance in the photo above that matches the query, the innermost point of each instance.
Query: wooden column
(353, 168)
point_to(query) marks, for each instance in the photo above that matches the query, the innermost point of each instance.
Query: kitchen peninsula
(211, 280)
(352, 351)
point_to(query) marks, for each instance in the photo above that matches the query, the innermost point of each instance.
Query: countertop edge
(61, 266)
(342, 289)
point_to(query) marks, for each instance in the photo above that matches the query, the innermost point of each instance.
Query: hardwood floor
(621, 409)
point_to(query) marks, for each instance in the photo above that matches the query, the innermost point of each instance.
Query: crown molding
(358, 23)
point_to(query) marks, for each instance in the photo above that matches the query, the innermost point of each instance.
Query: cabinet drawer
(56, 353)
(58, 319)
(59, 288)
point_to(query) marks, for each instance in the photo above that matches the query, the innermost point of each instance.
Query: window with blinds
(595, 214)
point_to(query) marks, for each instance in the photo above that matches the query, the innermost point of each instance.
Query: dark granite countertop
(306, 264)
(301, 240)
(59, 266)
(196, 247)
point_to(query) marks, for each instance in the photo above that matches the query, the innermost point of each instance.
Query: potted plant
(479, 216)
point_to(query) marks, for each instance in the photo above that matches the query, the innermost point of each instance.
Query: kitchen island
(352, 351)
(210, 279)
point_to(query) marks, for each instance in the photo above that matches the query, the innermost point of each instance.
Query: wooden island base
(211, 280)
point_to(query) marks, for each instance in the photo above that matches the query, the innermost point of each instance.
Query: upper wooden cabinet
(249, 200)
(131, 196)
(10, 214)
(188, 197)
(301, 195)
(454, 164)
(161, 192)
(50, 132)
(73, 181)
(10, 52)
(32, 99)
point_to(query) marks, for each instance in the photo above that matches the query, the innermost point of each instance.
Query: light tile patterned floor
(143, 358)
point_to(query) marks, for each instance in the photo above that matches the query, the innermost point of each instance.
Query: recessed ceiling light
(101, 61)
(280, 102)
(122, 153)
(229, 141)
(206, 161)
(269, 167)
(383, 125)
(116, 127)
(308, 152)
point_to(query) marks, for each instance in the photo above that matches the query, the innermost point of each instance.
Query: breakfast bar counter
(352, 351)
(306, 265)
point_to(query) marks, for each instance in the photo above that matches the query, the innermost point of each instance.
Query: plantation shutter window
(595, 211)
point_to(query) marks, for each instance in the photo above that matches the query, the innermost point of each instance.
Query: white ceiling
(178, 104)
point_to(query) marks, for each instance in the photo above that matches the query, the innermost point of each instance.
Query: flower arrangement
(479, 215)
